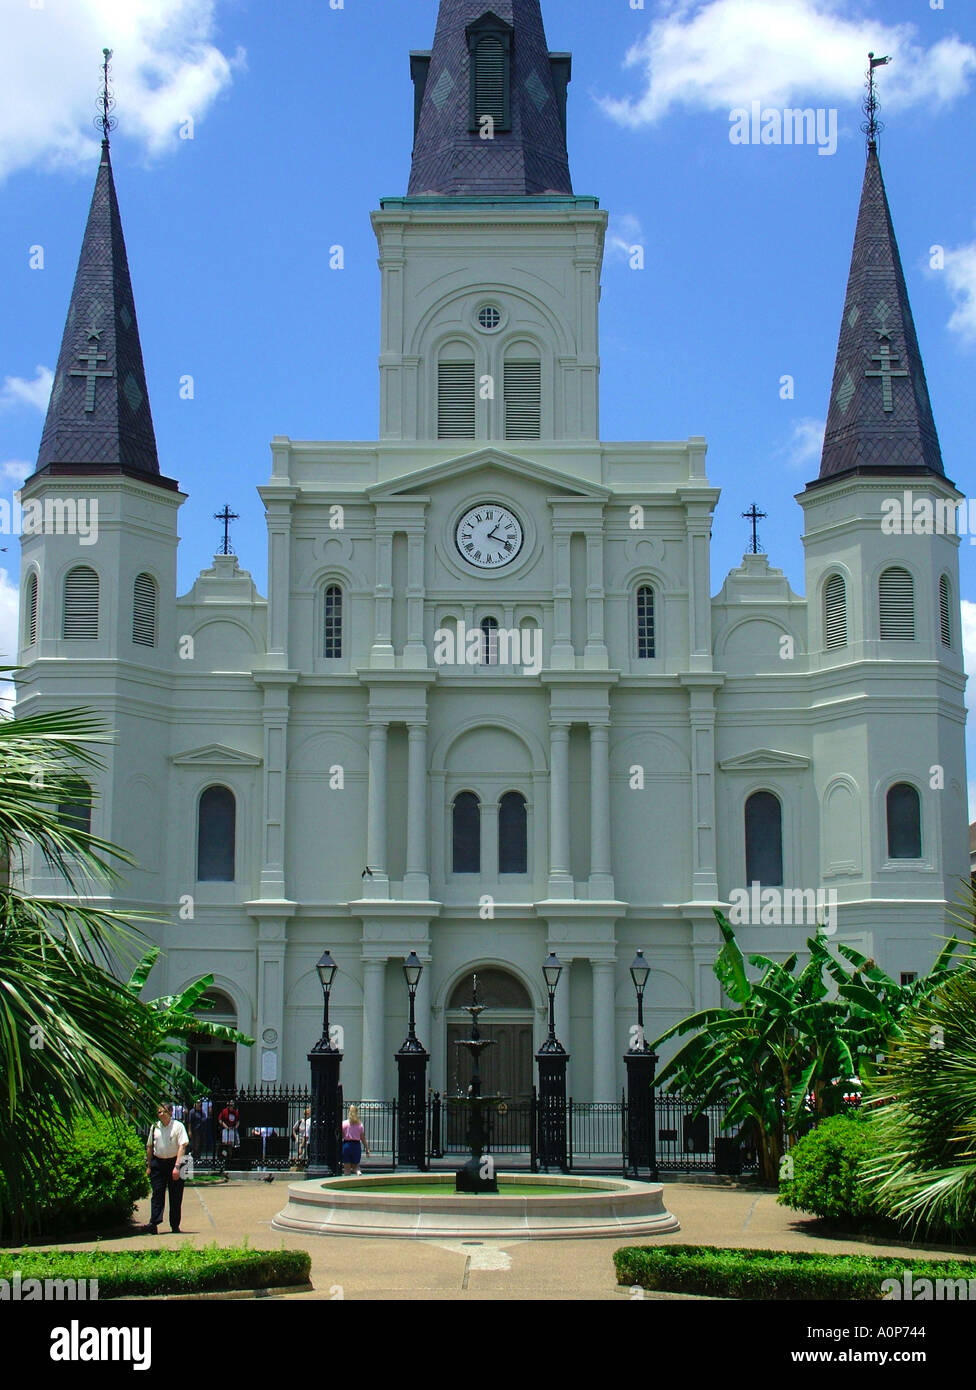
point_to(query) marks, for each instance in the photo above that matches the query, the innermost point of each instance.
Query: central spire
(490, 104)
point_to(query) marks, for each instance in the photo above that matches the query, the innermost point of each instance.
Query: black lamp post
(411, 1063)
(641, 1065)
(325, 1060)
(552, 1058)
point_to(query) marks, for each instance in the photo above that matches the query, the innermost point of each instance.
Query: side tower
(884, 620)
(98, 555)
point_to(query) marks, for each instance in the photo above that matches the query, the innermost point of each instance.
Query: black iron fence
(270, 1133)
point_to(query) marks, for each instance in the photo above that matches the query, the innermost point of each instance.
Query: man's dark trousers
(161, 1179)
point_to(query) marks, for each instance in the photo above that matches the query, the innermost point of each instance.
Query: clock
(489, 536)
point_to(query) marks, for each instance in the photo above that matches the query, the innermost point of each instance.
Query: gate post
(641, 1146)
(411, 1063)
(325, 1060)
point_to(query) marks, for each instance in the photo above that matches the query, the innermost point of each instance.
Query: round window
(490, 316)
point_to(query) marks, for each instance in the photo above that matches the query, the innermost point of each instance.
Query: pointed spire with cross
(755, 516)
(872, 127)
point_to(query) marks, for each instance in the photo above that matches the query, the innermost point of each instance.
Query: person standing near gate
(167, 1144)
(353, 1143)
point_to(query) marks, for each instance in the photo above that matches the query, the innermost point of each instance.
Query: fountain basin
(428, 1208)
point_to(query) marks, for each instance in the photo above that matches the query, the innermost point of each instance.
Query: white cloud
(805, 444)
(960, 273)
(17, 390)
(165, 67)
(623, 234)
(718, 54)
(15, 471)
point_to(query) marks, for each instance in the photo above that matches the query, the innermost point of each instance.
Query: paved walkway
(434, 1270)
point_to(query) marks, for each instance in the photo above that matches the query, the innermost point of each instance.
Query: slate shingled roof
(451, 160)
(877, 335)
(98, 417)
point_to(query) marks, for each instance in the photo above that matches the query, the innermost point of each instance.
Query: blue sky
(302, 120)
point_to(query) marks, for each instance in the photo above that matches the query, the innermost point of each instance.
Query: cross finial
(106, 101)
(872, 127)
(226, 516)
(755, 516)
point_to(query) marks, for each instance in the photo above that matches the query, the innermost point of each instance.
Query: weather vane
(106, 101)
(226, 516)
(755, 516)
(872, 127)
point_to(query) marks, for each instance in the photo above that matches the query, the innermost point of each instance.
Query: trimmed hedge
(186, 1270)
(826, 1179)
(95, 1175)
(773, 1274)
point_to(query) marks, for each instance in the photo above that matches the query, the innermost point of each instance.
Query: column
(422, 1007)
(416, 881)
(595, 656)
(278, 510)
(275, 720)
(699, 587)
(604, 1014)
(271, 995)
(601, 869)
(415, 653)
(562, 655)
(563, 1029)
(377, 885)
(560, 878)
(374, 1029)
(382, 651)
(701, 697)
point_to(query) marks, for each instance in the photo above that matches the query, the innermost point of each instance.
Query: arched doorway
(209, 1059)
(507, 1021)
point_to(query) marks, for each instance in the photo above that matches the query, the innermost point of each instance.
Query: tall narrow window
(30, 606)
(945, 619)
(896, 605)
(523, 398)
(835, 612)
(513, 839)
(80, 615)
(216, 836)
(455, 400)
(489, 641)
(74, 812)
(645, 621)
(466, 834)
(144, 611)
(332, 644)
(904, 822)
(764, 839)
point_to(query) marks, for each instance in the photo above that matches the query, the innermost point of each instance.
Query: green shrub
(162, 1270)
(93, 1177)
(826, 1166)
(774, 1274)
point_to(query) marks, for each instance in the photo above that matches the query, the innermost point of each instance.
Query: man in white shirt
(165, 1147)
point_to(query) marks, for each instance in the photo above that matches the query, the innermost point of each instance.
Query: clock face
(489, 536)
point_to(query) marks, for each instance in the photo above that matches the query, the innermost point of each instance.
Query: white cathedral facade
(490, 707)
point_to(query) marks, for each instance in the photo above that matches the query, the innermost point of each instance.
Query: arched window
(489, 641)
(523, 392)
(764, 839)
(513, 836)
(456, 413)
(332, 639)
(896, 605)
(945, 612)
(904, 822)
(645, 621)
(835, 612)
(30, 611)
(80, 615)
(466, 828)
(216, 836)
(144, 610)
(75, 810)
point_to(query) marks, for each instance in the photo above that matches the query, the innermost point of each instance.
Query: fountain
(478, 1174)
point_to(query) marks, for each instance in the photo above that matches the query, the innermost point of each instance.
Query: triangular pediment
(214, 755)
(426, 478)
(765, 760)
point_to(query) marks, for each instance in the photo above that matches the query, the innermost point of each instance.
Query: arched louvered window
(513, 837)
(645, 621)
(945, 612)
(144, 611)
(466, 834)
(764, 839)
(835, 612)
(490, 65)
(896, 605)
(332, 640)
(216, 835)
(523, 398)
(456, 409)
(489, 641)
(75, 809)
(30, 611)
(80, 614)
(904, 822)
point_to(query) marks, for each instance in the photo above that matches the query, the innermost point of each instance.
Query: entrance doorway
(506, 1067)
(212, 1061)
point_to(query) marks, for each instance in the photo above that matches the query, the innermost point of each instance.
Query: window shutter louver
(81, 604)
(896, 593)
(455, 400)
(523, 400)
(144, 611)
(835, 612)
(489, 98)
(945, 621)
(32, 610)
(645, 621)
